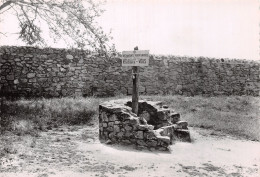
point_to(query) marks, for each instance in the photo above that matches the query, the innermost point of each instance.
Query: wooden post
(135, 91)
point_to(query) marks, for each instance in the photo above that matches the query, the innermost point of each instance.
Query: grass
(29, 116)
(236, 115)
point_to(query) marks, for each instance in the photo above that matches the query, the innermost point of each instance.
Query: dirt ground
(76, 151)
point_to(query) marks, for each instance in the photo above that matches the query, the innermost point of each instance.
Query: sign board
(135, 58)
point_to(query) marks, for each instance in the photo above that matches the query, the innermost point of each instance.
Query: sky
(210, 28)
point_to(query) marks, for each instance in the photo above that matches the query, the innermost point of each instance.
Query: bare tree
(72, 21)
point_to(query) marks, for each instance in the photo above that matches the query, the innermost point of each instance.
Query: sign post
(135, 59)
(135, 90)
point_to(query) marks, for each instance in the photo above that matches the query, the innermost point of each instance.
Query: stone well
(156, 127)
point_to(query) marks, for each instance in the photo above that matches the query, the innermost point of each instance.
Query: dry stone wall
(49, 72)
(118, 124)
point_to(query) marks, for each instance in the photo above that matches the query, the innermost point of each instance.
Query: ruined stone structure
(156, 127)
(28, 71)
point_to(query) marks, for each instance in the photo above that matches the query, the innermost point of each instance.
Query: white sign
(135, 58)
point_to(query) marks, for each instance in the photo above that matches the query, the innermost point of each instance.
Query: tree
(72, 21)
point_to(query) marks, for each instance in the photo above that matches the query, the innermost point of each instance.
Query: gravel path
(76, 151)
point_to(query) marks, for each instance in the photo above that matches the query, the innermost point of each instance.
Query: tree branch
(7, 3)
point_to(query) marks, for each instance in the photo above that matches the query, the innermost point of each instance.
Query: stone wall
(155, 128)
(28, 71)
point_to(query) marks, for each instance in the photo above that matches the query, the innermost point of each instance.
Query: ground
(76, 151)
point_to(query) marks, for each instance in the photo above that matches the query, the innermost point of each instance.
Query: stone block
(145, 115)
(112, 117)
(164, 139)
(118, 122)
(134, 121)
(111, 135)
(151, 143)
(128, 128)
(182, 125)
(183, 135)
(120, 135)
(110, 129)
(144, 127)
(110, 124)
(126, 141)
(139, 135)
(16, 81)
(116, 128)
(31, 75)
(174, 117)
(69, 57)
(128, 134)
(10, 77)
(141, 143)
(104, 116)
(149, 135)
(163, 114)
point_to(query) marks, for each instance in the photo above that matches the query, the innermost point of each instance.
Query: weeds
(28, 116)
(237, 115)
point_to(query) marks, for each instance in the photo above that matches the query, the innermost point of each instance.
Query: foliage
(72, 21)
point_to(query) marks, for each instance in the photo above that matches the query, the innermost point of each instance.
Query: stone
(126, 141)
(175, 117)
(105, 134)
(134, 121)
(104, 116)
(165, 106)
(112, 117)
(145, 115)
(42, 79)
(69, 57)
(10, 77)
(144, 127)
(141, 143)
(128, 134)
(139, 134)
(116, 128)
(108, 142)
(118, 122)
(183, 135)
(120, 135)
(151, 143)
(111, 135)
(150, 135)
(164, 139)
(110, 129)
(16, 81)
(33, 80)
(127, 128)
(110, 124)
(182, 125)
(163, 114)
(139, 147)
(31, 75)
